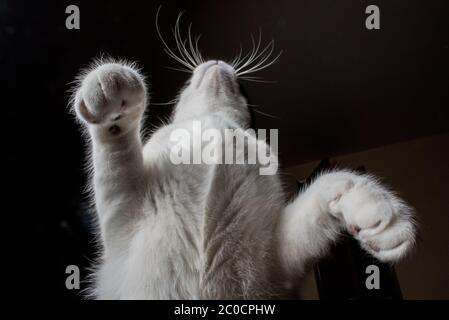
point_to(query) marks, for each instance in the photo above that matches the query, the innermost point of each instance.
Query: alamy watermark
(372, 22)
(72, 281)
(227, 146)
(73, 19)
(373, 280)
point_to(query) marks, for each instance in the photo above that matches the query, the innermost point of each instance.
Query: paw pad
(114, 129)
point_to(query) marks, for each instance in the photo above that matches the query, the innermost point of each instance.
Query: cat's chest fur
(207, 233)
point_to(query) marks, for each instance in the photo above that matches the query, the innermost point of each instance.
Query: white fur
(211, 231)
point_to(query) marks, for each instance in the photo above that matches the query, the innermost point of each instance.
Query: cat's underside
(211, 231)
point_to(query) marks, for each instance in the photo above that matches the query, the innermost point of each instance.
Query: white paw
(111, 95)
(382, 222)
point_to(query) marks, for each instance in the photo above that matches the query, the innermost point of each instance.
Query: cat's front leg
(344, 200)
(110, 102)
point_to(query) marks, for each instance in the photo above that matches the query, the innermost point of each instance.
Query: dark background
(339, 88)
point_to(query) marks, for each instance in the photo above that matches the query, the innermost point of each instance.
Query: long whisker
(254, 52)
(256, 48)
(179, 43)
(270, 46)
(253, 105)
(257, 59)
(172, 102)
(194, 62)
(192, 49)
(189, 55)
(167, 48)
(242, 60)
(197, 50)
(256, 79)
(178, 69)
(247, 56)
(260, 62)
(234, 62)
(273, 61)
(266, 114)
(178, 59)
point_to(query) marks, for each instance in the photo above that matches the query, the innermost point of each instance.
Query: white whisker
(253, 54)
(189, 55)
(197, 50)
(234, 62)
(178, 59)
(255, 60)
(172, 102)
(181, 44)
(178, 69)
(167, 48)
(253, 105)
(242, 60)
(178, 41)
(269, 46)
(264, 66)
(256, 79)
(192, 49)
(266, 114)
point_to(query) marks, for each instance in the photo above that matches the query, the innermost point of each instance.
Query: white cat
(215, 231)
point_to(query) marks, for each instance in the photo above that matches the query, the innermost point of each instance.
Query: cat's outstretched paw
(382, 222)
(111, 96)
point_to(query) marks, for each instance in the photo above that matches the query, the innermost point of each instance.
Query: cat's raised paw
(111, 95)
(380, 221)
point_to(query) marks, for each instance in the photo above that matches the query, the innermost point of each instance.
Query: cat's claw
(354, 229)
(111, 95)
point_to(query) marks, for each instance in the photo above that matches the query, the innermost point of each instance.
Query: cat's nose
(212, 63)
(206, 65)
(211, 70)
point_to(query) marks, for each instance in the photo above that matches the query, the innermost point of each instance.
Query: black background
(339, 88)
